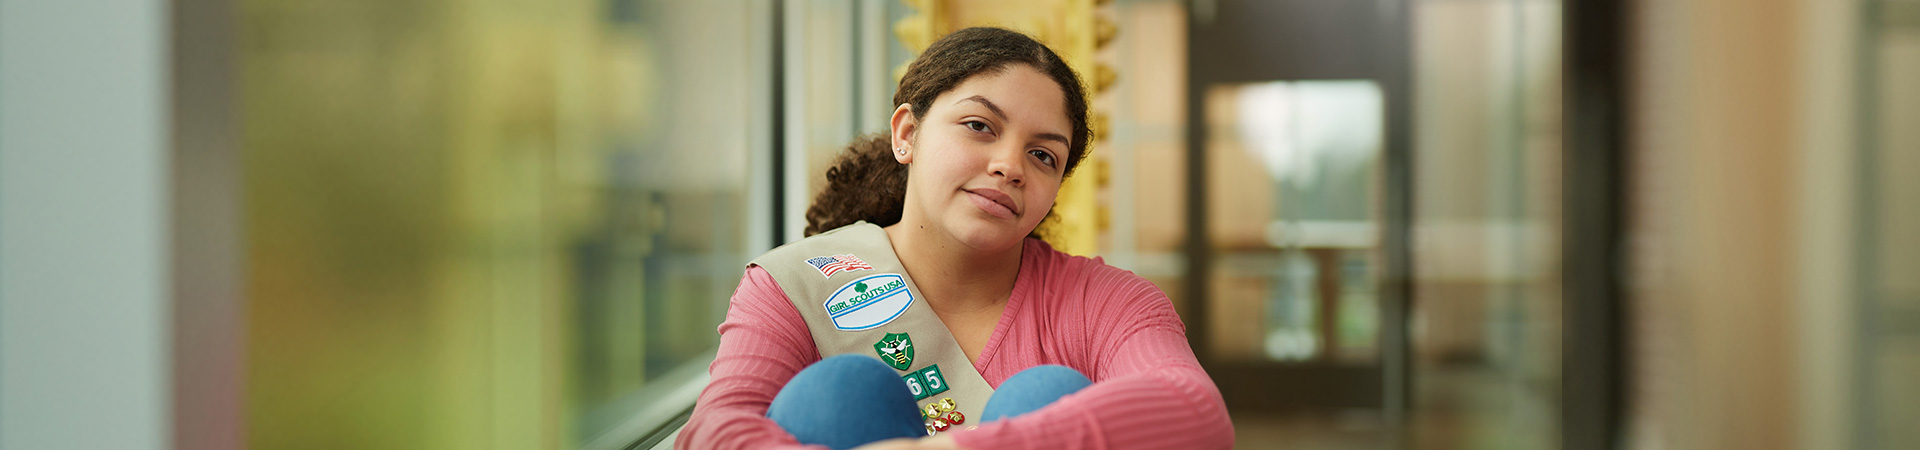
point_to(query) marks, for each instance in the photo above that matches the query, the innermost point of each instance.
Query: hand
(942, 441)
(892, 444)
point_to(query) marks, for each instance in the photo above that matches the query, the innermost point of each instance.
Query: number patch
(926, 382)
(915, 386)
(936, 382)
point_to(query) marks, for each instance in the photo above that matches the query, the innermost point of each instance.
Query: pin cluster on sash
(942, 416)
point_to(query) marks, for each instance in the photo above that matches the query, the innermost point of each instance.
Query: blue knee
(845, 401)
(1031, 390)
(835, 380)
(843, 369)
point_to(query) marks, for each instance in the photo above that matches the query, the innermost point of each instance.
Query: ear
(903, 127)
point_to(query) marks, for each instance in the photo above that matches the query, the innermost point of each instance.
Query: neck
(954, 277)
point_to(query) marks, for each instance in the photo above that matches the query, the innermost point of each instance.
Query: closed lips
(996, 197)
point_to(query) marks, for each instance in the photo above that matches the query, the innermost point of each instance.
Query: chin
(989, 236)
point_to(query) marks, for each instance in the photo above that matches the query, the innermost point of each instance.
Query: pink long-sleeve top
(1107, 323)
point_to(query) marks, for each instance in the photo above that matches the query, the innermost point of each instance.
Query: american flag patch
(830, 265)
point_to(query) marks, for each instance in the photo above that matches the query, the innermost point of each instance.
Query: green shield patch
(896, 350)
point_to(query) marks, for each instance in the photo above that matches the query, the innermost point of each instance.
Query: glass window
(1486, 315)
(1295, 200)
(1890, 304)
(492, 225)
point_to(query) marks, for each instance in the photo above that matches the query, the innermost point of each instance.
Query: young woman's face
(988, 158)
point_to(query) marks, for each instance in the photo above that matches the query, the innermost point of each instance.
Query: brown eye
(1045, 158)
(976, 125)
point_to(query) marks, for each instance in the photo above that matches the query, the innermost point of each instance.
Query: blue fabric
(850, 400)
(846, 401)
(1032, 389)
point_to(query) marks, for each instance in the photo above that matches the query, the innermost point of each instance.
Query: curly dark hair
(866, 183)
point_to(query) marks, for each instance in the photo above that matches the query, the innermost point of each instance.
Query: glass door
(1298, 113)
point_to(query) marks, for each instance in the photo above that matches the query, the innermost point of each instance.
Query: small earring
(902, 151)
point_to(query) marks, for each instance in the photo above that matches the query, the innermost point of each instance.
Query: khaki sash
(857, 298)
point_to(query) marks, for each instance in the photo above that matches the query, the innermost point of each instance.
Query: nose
(1008, 163)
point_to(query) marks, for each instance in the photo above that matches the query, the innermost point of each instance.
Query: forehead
(1029, 98)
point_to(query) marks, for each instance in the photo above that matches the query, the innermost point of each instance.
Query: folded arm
(1149, 391)
(763, 343)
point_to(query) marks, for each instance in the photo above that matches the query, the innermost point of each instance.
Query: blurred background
(1387, 224)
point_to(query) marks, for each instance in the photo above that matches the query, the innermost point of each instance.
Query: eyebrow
(1003, 118)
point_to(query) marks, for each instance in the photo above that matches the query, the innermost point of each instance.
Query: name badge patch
(868, 302)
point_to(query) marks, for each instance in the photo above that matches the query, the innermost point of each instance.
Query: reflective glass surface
(1295, 200)
(489, 225)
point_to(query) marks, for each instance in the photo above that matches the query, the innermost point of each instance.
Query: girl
(944, 322)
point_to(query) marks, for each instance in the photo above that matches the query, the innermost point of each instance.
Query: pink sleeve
(763, 343)
(1149, 391)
